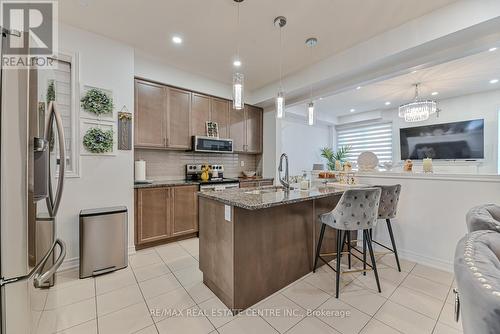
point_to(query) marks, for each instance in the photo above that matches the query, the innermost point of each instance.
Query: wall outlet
(242, 163)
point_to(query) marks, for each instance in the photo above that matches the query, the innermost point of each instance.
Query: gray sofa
(484, 217)
(477, 271)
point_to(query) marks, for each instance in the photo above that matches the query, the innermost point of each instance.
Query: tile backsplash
(170, 165)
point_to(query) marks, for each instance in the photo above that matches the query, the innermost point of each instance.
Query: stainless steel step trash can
(103, 240)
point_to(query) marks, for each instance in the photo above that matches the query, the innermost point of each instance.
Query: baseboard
(426, 260)
(70, 264)
(415, 257)
(73, 263)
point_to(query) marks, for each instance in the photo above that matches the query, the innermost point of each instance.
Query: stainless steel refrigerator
(31, 152)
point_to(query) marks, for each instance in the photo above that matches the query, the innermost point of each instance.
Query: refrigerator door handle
(41, 279)
(54, 201)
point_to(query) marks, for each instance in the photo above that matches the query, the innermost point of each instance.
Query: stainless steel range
(216, 180)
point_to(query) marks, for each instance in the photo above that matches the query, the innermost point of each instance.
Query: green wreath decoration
(97, 102)
(98, 141)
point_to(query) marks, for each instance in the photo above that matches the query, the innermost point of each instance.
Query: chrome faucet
(284, 181)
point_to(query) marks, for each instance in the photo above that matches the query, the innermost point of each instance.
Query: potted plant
(335, 159)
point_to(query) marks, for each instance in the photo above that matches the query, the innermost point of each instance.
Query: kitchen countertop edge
(241, 203)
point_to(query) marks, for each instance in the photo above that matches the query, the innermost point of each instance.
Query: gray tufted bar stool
(484, 217)
(356, 210)
(387, 210)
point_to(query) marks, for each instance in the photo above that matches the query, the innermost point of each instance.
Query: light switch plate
(227, 213)
(242, 163)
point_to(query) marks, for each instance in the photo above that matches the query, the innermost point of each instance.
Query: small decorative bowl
(249, 173)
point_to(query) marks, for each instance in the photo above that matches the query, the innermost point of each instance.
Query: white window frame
(340, 128)
(74, 59)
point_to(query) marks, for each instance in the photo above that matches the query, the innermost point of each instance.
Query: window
(60, 84)
(376, 138)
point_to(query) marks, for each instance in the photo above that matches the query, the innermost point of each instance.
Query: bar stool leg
(364, 255)
(372, 256)
(349, 248)
(318, 248)
(389, 227)
(340, 245)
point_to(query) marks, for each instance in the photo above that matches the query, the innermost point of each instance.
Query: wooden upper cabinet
(152, 215)
(184, 203)
(167, 117)
(237, 129)
(253, 116)
(200, 113)
(219, 112)
(179, 119)
(150, 105)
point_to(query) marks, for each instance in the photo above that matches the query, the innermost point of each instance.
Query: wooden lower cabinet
(184, 204)
(165, 214)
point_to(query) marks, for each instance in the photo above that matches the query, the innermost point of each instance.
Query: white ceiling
(463, 76)
(208, 28)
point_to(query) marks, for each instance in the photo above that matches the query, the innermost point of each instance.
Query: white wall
(302, 143)
(431, 213)
(105, 180)
(484, 105)
(154, 69)
(271, 144)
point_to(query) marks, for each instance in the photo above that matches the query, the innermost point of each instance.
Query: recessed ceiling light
(177, 40)
(358, 88)
(492, 49)
(388, 103)
(352, 110)
(493, 81)
(320, 98)
(414, 71)
(434, 93)
(237, 63)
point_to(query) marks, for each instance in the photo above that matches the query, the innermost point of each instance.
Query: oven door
(208, 144)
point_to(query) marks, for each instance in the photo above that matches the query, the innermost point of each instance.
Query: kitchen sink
(267, 190)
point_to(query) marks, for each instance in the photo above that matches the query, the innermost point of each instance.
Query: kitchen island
(254, 242)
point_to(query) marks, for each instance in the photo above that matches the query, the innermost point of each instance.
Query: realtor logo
(31, 37)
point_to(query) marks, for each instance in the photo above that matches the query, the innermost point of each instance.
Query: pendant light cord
(281, 57)
(238, 31)
(310, 59)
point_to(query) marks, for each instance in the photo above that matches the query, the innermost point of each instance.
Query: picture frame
(109, 117)
(85, 125)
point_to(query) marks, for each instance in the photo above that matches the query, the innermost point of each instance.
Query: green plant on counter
(332, 156)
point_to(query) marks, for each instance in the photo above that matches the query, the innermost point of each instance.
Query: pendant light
(238, 77)
(311, 42)
(280, 22)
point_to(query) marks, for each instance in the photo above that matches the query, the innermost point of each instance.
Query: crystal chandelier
(418, 110)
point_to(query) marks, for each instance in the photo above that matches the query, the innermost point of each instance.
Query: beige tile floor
(166, 278)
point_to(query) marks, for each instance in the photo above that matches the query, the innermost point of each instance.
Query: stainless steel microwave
(210, 144)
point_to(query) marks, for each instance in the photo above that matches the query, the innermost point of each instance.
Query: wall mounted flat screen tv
(448, 141)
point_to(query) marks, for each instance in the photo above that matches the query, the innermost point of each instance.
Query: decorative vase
(338, 165)
(427, 165)
(408, 166)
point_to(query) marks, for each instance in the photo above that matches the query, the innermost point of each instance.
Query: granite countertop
(253, 199)
(164, 183)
